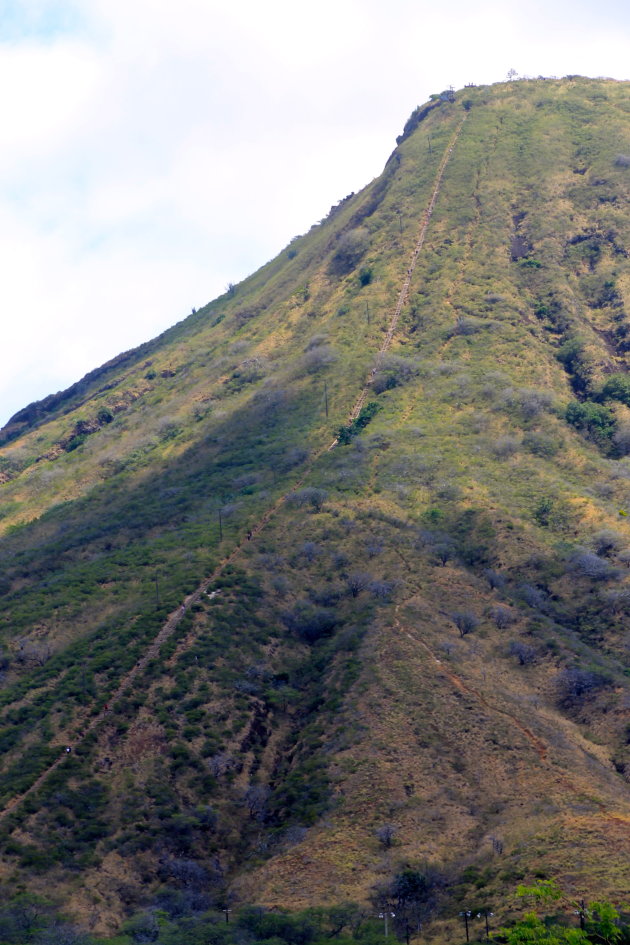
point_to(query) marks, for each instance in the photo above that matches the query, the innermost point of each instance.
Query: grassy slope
(395, 717)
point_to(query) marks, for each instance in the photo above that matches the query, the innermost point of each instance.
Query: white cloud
(152, 152)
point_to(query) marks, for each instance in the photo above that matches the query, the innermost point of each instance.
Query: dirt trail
(404, 291)
(537, 743)
(169, 627)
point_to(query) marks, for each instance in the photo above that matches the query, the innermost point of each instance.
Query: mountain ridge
(446, 585)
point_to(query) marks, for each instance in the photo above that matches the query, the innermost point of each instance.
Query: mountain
(329, 583)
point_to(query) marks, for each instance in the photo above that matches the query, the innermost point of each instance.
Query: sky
(152, 152)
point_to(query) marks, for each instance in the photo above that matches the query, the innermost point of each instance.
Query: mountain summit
(330, 582)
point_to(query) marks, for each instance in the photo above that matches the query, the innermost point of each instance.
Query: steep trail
(539, 746)
(168, 628)
(403, 295)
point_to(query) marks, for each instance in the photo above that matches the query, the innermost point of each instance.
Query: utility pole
(466, 916)
(157, 594)
(367, 311)
(430, 149)
(385, 915)
(581, 913)
(399, 212)
(326, 398)
(485, 914)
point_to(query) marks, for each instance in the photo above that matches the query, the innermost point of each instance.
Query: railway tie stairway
(168, 628)
(404, 291)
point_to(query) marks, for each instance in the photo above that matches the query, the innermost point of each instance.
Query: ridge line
(174, 618)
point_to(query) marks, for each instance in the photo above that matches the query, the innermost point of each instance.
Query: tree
(465, 621)
(385, 834)
(595, 420)
(309, 496)
(358, 581)
(350, 248)
(502, 616)
(524, 653)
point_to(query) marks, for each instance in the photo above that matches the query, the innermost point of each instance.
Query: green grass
(326, 688)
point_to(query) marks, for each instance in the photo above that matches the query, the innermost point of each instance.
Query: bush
(524, 653)
(465, 621)
(573, 686)
(308, 496)
(528, 401)
(621, 439)
(465, 327)
(593, 419)
(350, 248)
(393, 371)
(502, 616)
(617, 387)
(606, 542)
(317, 358)
(358, 581)
(310, 623)
(589, 565)
(346, 433)
(541, 444)
(505, 446)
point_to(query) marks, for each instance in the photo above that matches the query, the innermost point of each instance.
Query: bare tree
(465, 621)
(358, 581)
(385, 834)
(502, 616)
(524, 653)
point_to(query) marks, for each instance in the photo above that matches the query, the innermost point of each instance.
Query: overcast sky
(152, 152)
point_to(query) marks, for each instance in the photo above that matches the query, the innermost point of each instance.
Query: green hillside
(329, 584)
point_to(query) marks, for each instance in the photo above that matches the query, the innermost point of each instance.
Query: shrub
(358, 581)
(524, 653)
(502, 616)
(350, 248)
(310, 623)
(528, 401)
(310, 550)
(622, 160)
(541, 444)
(393, 371)
(591, 418)
(494, 579)
(465, 327)
(385, 834)
(617, 387)
(382, 590)
(573, 686)
(465, 621)
(505, 446)
(346, 433)
(366, 274)
(587, 564)
(308, 496)
(606, 542)
(621, 439)
(543, 511)
(317, 358)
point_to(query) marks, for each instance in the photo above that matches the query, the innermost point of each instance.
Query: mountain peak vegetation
(315, 606)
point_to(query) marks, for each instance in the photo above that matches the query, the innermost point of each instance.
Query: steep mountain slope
(331, 578)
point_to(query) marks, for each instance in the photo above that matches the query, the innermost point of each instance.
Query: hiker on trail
(68, 749)
(249, 536)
